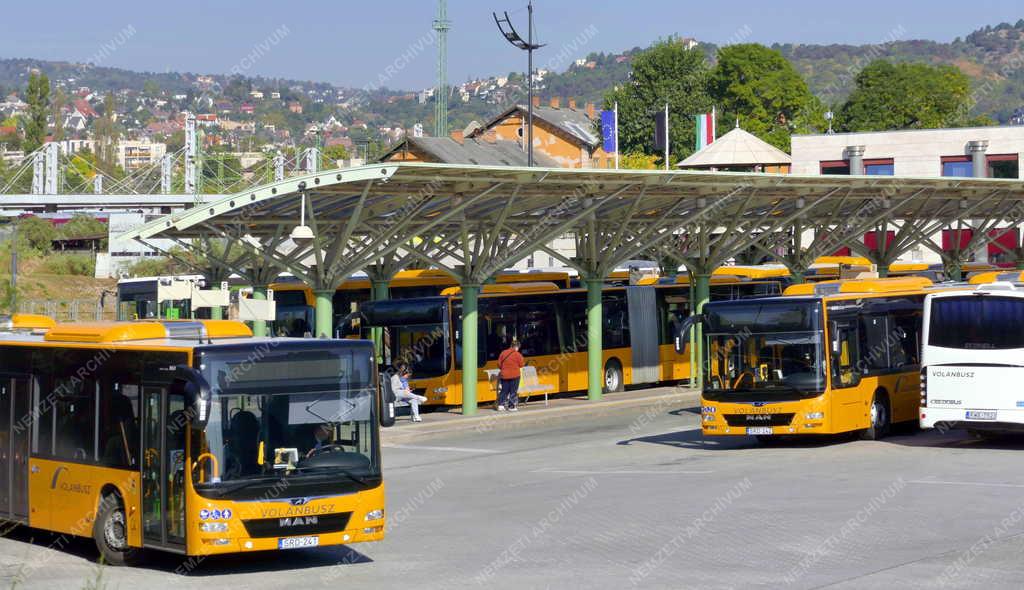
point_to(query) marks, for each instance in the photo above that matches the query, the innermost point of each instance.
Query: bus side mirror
(387, 400)
(191, 384)
(683, 332)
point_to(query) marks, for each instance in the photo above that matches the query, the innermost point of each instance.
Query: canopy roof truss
(478, 220)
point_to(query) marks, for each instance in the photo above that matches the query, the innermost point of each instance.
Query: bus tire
(613, 381)
(880, 416)
(110, 531)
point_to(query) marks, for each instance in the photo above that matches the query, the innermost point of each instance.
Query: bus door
(643, 331)
(14, 447)
(163, 467)
(848, 407)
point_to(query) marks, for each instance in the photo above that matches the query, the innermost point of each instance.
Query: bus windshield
(771, 348)
(287, 410)
(977, 322)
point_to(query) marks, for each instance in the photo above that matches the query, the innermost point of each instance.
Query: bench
(529, 384)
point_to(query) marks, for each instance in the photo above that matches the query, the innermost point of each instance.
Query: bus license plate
(298, 542)
(980, 415)
(757, 430)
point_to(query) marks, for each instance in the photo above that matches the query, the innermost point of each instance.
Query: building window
(836, 168)
(879, 167)
(1003, 166)
(998, 166)
(958, 166)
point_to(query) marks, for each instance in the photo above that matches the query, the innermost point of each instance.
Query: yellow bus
(825, 358)
(551, 326)
(189, 437)
(26, 322)
(296, 302)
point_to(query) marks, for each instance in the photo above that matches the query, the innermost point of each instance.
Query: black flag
(660, 130)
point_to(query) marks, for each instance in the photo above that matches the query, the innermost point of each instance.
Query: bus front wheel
(110, 531)
(613, 381)
(879, 416)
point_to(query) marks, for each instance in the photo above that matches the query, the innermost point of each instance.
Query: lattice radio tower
(442, 26)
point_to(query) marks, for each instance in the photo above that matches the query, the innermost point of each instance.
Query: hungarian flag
(705, 129)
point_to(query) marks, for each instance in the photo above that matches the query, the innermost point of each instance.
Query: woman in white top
(400, 387)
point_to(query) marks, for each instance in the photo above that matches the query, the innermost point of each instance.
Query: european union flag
(608, 131)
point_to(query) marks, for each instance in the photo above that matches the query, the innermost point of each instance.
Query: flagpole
(616, 135)
(666, 136)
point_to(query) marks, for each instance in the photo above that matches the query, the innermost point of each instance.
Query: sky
(360, 43)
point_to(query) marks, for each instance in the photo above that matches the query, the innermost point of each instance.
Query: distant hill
(992, 56)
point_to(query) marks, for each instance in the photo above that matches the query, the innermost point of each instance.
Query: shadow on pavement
(333, 559)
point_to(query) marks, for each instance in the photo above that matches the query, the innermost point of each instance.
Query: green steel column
(798, 277)
(259, 327)
(954, 270)
(470, 293)
(883, 270)
(595, 347)
(324, 314)
(216, 312)
(380, 293)
(1018, 259)
(701, 295)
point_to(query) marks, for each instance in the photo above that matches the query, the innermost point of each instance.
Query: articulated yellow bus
(551, 326)
(189, 437)
(825, 358)
(296, 302)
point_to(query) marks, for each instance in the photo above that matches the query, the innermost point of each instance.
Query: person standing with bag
(510, 363)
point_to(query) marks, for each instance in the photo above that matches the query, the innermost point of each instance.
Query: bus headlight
(815, 416)
(709, 417)
(374, 515)
(214, 527)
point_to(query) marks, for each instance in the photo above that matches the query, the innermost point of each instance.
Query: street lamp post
(527, 45)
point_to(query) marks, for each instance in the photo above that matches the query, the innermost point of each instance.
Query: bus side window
(845, 353)
(906, 338)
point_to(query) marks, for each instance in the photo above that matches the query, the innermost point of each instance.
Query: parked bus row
(861, 355)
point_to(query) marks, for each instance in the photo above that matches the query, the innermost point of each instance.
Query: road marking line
(448, 449)
(968, 483)
(623, 472)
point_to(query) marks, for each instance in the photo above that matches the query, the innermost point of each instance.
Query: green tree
(665, 73)
(333, 153)
(105, 131)
(36, 234)
(151, 87)
(761, 88)
(80, 171)
(38, 99)
(82, 226)
(638, 161)
(907, 96)
(60, 100)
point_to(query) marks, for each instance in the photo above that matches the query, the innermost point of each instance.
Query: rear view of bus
(973, 359)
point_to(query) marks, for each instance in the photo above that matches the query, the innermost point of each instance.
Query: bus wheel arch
(614, 378)
(879, 415)
(110, 529)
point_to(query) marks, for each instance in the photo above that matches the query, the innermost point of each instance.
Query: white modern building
(979, 152)
(992, 152)
(132, 155)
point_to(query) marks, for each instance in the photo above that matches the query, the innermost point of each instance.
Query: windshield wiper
(227, 487)
(332, 470)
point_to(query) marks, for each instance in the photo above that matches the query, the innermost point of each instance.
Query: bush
(151, 267)
(83, 265)
(36, 233)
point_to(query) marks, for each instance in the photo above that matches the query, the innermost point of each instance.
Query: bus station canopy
(430, 212)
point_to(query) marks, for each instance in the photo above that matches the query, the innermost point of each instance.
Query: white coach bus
(972, 362)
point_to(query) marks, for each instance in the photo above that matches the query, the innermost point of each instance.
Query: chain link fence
(73, 310)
